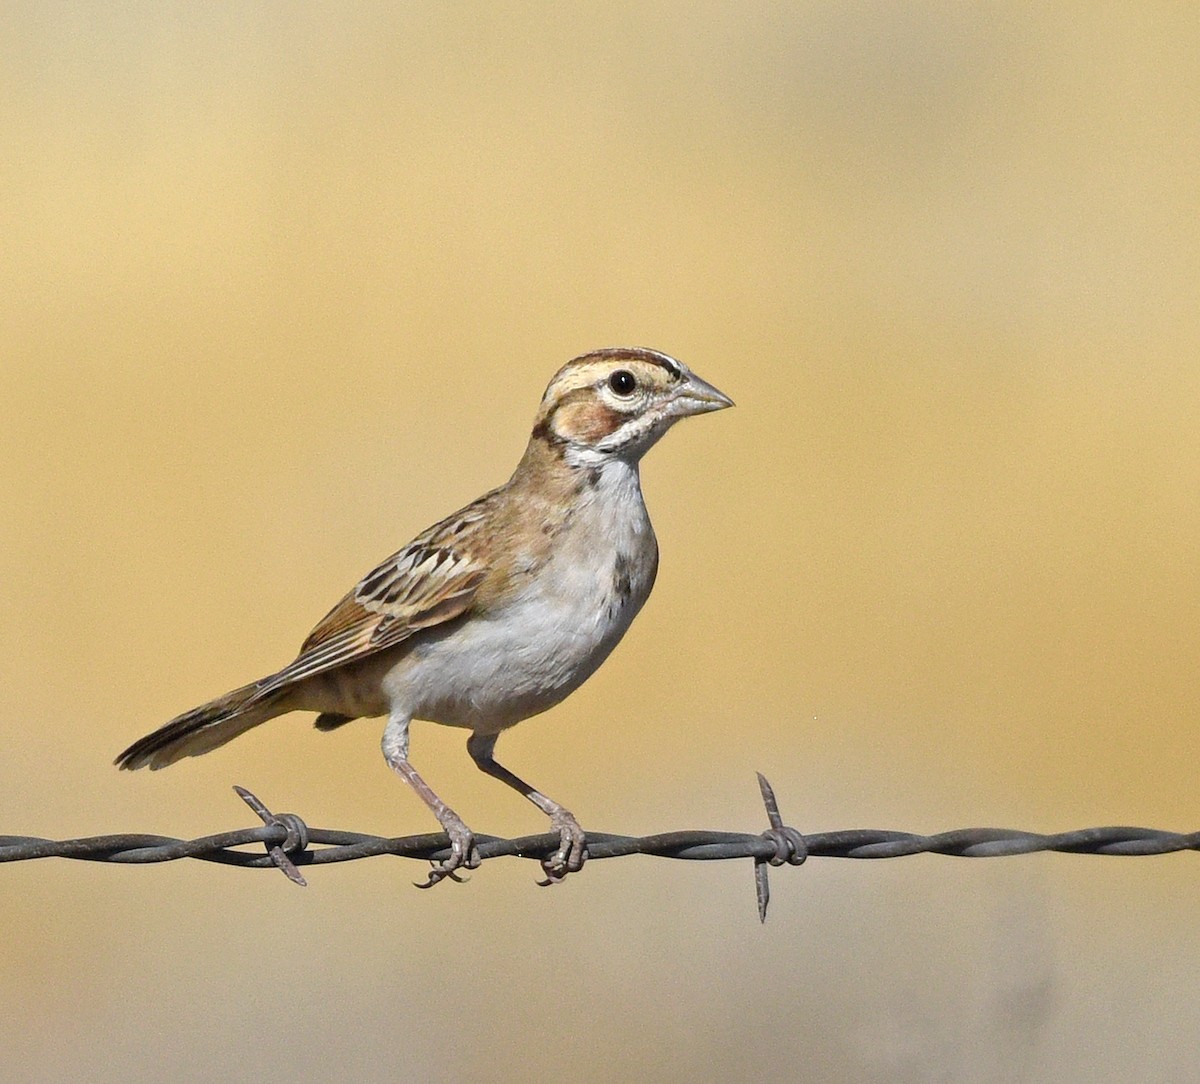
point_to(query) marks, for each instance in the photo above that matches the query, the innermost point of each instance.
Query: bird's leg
(572, 850)
(463, 853)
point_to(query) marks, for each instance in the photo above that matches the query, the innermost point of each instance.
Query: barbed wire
(290, 843)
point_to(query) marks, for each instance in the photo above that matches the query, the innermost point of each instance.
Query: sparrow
(496, 613)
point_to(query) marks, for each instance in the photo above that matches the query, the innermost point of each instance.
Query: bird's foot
(572, 849)
(464, 854)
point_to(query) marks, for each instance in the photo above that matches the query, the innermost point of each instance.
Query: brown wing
(431, 581)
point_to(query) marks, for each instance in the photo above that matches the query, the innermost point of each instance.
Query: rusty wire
(290, 843)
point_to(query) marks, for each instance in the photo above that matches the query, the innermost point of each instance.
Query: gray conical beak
(697, 396)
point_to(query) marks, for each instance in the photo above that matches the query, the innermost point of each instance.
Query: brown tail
(204, 728)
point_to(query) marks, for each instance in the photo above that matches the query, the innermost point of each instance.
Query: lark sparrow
(496, 613)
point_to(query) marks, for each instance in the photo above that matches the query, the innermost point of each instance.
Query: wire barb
(790, 847)
(294, 841)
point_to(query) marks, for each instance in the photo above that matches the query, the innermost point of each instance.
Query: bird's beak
(696, 396)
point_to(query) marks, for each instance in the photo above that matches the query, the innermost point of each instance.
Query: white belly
(488, 673)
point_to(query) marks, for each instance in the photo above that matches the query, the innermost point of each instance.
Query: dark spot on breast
(622, 586)
(622, 580)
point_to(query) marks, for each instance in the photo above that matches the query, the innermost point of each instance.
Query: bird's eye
(622, 382)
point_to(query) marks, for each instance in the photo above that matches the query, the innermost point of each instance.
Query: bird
(496, 613)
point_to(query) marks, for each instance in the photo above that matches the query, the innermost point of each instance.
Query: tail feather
(204, 728)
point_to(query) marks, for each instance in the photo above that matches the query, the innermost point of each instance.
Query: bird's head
(616, 403)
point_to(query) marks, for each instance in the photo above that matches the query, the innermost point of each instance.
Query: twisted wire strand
(290, 843)
(692, 845)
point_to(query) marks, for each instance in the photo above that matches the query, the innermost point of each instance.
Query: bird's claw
(442, 871)
(571, 853)
(464, 855)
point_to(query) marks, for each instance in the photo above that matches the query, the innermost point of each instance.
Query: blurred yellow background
(281, 285)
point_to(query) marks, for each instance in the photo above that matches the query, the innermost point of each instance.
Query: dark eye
(622, 382)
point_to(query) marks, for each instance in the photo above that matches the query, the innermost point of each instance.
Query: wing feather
(432, 580)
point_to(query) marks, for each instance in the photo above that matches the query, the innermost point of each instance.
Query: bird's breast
(558, 622)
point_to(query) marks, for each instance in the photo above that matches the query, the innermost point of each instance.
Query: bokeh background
(281, 285)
